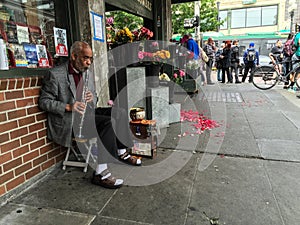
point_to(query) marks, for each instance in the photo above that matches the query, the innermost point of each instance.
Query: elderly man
(66, 106)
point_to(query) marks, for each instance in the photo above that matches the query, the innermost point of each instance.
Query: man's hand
(89, 97)
(79, 107)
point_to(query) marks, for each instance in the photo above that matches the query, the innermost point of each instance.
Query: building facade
(252, 16)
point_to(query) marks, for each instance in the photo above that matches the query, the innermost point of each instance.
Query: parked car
(264, 60)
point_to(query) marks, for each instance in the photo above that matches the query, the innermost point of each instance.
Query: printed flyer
(60, 41)
(22, 34)
(42, 56)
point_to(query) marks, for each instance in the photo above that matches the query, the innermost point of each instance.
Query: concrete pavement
(245, 172)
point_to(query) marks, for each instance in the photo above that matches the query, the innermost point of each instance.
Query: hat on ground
(251, 44)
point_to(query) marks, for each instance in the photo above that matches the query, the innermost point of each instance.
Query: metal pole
(218, 19)
(292, 20)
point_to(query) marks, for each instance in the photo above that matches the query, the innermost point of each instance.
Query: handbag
(204, 56)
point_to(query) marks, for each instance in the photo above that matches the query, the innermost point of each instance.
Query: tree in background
(123, 19)
(208, 16)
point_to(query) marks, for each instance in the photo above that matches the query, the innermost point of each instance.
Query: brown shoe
(129, 159)
(109, 182)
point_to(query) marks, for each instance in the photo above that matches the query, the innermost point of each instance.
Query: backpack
(251, 55)
(289, 47)
(234, 53)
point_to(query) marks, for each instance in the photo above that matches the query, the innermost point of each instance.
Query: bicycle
(266, 77)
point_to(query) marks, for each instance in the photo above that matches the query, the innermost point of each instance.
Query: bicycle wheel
(297, 80)
(265, 77)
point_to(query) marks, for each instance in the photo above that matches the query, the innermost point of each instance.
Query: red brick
(32, 92)
(31, 156)
(39, 160)
(3, 85)
(36, 127)
(37, 144)
(9, 146)
(12, 84)
(23, 168)
(24, 102)
(33, 82)
(2, 190)
(33, 110)
(32, 173)
(3, 117)
(46, 149)
(18, 133)
(8, 126)
(4, 138)
(6, 177)
(26, 82)
(26, 121)
(42, 116)
(36, 100)
(14, 183)
(12, 164)
(7, 106)
(4, 158)
(28, 138)
(20, 82)
(1, 96)
(48, 164)
(59, 158)
(39, 82)
(54, 153)
(42, 133)
(20, 151)
(14, 95)
(16, 114)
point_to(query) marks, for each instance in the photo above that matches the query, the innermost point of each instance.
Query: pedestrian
(296, 56)
(251, 60)
(64, 105)
(225, 62)
(210, 51)
(288, 52)
(218, 62)
(276, 56)
(235, 60)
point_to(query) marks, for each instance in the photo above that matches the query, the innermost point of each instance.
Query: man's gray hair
(77, 47)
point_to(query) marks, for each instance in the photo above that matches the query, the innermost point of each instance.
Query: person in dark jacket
(251, 60)
(210, 51)
(235, 60)
(225, 63)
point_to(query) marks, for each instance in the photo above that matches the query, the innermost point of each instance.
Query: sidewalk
(245, 172)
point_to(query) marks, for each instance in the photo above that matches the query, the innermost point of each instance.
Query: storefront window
(26, 26)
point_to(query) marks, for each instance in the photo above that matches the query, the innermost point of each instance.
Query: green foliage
(179, 13)
(208, 16)
(124, 19)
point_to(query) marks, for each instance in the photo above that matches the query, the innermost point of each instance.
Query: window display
(26, 26)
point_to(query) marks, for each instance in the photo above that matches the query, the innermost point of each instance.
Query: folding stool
(88, 144)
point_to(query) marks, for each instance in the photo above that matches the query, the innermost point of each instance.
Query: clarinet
(80, 137)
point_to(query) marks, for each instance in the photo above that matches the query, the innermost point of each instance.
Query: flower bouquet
(124, 36)
(142, 34)
(178, 76)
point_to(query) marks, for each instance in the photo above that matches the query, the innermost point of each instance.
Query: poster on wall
(31, 55)
(19, 55)
(42, 56)
(98, 27)
(22, 34)
(60, 41)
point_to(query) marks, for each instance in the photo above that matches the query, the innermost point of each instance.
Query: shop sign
(146, 3)
(248, 2)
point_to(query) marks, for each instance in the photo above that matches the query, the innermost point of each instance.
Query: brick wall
(24, 149)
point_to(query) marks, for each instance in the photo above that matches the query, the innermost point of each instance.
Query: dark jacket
(226, 60)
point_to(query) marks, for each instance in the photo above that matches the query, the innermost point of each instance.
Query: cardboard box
(145, 147)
